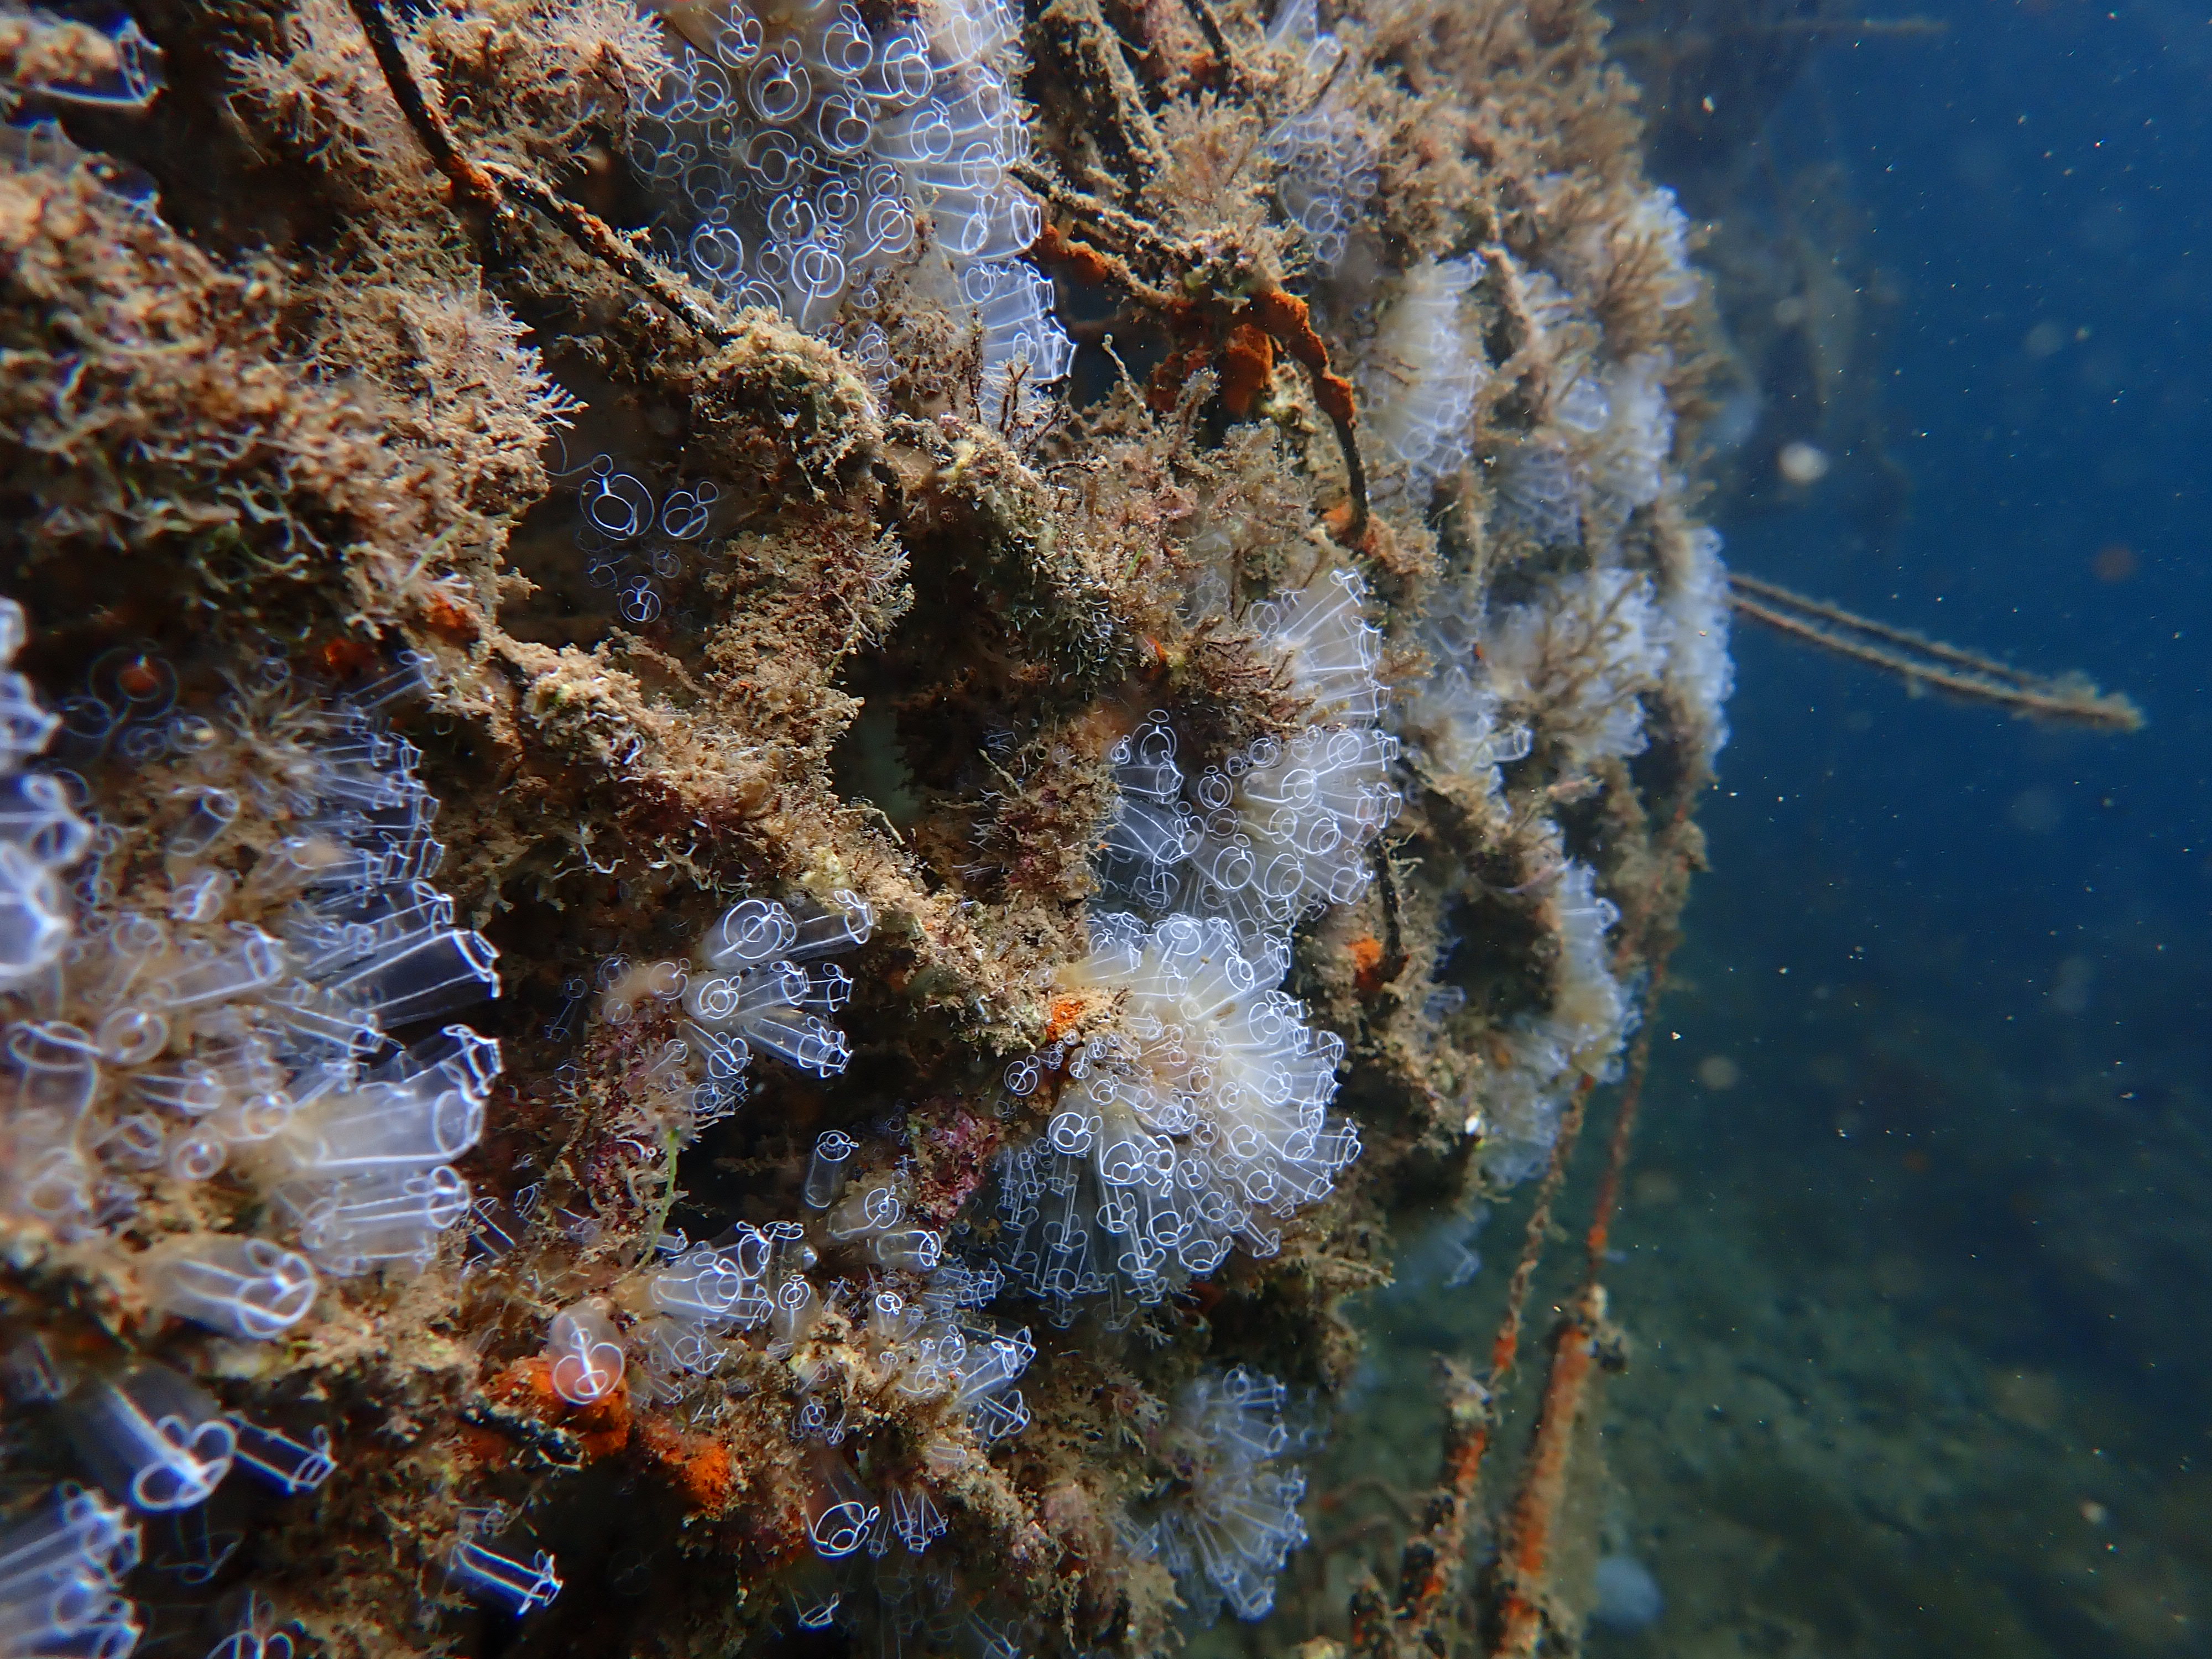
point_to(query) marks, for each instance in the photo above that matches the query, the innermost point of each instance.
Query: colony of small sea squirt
(160, 1034)
(799, 155)
(906, 1153)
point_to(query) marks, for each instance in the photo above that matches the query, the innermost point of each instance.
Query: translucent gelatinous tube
(244, 1287)
(826, 1170)
(520, 1587)
(152, 1437)
(433, 972)
(384, 1125)
(585, 1354)
(352, 1226)
(840, 1513)
(60, 1572)
(276, 1459)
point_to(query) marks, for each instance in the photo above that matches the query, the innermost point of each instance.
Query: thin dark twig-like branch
(490, 188)
(1921, 661)
(597, 238)
(429, 121)
(1201, 13)
(1777, 594)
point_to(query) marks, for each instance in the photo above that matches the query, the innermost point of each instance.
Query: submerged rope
(2073, 699)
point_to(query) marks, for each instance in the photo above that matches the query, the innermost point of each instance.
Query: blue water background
(2030, 167)
(1961, 961)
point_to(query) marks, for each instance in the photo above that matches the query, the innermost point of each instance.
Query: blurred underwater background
(1916, 1246)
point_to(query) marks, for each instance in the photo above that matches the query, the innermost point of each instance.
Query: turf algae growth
(777, 777)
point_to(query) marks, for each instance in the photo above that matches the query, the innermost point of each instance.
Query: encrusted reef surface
(771, 773)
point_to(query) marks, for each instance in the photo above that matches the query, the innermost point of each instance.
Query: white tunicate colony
(153, 1030)
(923, 1346)
(1235, 1519)
(1606, 430)
(1627, 462)
(1537, 493)
(634, 540)
(1199, 1121)
(177, 1036)
(61, 1568)
(1420, 381)
(1580, 660)
(751, 991)
(1455, 721)
(170, 1036)
(798, 153)
(40, 834)
(1700, 669)
(1546, 1055)
(1325, 162)
(1283, 828)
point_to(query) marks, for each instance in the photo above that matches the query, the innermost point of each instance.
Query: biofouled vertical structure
(793, 758)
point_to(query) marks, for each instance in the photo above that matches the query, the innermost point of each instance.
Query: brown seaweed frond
(2072, 699)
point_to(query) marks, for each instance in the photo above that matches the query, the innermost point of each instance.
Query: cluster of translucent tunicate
(1538, 492)
(1325, 162)
(908, 1337)
(1198, 1120)
(40, 834)
(871, 1214)
(924, 1349)
(897, 1605)
(163, 1445)
(1657, 220)
(1455, 721)
(61, 1568)
(758, 1279)
(1579, 659)
(635, 539)
(1233, 1518)
(1627, 457)
(1652, 235)
(249, 1287)
(1282, 828)
(229, 998)
(1695, 597)
(707, 1293)
(1417, 389)
(800, 152)
(1545, 1056)
(667, 1089)
(1605, 432)
(753, 990)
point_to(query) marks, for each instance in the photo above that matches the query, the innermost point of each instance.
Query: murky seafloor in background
(1917, 1367)
(1916, 1255)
